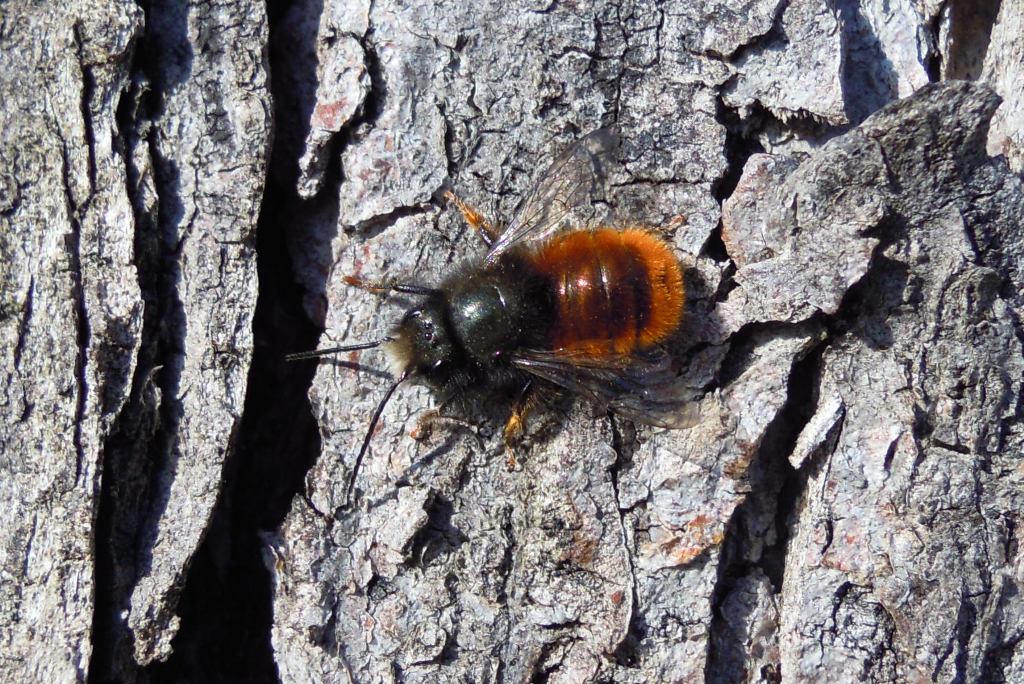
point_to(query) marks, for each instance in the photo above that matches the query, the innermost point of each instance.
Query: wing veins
(559, 190)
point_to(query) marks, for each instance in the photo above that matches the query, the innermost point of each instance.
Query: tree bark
(134, 160)
(840, 181)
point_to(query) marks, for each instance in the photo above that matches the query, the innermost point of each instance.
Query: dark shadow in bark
(139, 456)
(970, 34)
(757, 536)
(226, 604)
(869, 79)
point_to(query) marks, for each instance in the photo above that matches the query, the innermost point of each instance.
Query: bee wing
(561, 188)
(642, 387)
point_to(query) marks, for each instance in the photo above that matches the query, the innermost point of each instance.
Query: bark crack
(624, 651)
(774, 486)
(85, 107)
(139, 450)
(81, 314)
(24, 321)
(226, 604)
(741, 51)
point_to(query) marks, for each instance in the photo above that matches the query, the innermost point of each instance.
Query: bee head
(423, 344)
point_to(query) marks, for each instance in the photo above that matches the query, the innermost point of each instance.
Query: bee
(549, 306)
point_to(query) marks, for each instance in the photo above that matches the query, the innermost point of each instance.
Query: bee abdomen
(614, 291)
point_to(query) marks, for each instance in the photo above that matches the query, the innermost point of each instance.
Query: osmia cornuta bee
(581, 309)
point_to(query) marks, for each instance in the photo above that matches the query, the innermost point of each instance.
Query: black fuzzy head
(424, 346)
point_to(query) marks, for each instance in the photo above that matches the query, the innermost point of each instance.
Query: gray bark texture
(841, 182)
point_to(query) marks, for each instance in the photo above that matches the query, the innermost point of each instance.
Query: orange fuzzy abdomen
(614, 291)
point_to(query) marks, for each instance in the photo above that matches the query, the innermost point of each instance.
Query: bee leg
(474, 218)
(425, 424)
(677, 221)
(516, 423)
(384, 287)
(428, 419)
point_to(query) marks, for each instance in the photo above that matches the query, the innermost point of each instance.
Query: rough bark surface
(134, 153)
(848, 209)
(71, 317)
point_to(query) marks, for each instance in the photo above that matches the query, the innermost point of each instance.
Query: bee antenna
(300, 356)
(369, 434)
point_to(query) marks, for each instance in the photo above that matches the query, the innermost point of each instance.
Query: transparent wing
(566, 183)
(643, 388)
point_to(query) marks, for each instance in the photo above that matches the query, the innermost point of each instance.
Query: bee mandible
(581, 309)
